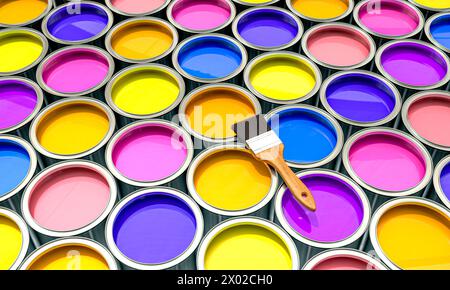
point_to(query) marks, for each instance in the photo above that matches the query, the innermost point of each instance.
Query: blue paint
(445, 180)
(210, 57)
(307, 135)
(14, 165)
(440, 30)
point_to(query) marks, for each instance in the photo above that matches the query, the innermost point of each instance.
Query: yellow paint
(15, 12)
(415, 237)
(247, 247)
(18, 50)
(10, 242)
(72, 128)
(320, 9)
(435, 4)
(282, 78)
(232, 180)
(141, 40)
(145, 91)
(69, 257)
(212, 112)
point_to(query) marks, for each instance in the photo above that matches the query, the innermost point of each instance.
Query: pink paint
(429, 116)
(387, 161)
(69, 198)
(201, 15)
(389, 17)
(137, 6)
(75, 70)
(338, 45)
(149, 152)
(344, 263)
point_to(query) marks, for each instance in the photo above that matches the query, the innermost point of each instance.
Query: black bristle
(251, 127)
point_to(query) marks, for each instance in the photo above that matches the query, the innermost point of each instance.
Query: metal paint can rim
(296, 39)
(408, 138)
(419, 27)
(407, 104)
(134, 20)
(74, 241)
(283, 54)
(329, 109)
(21, 224)
(68, 49)
(39, 101)
(46, 11)
(181, 27)
(351, 4)
(57, 9)
(345, 253)
(144, 67)
(196, 196)
(60, 104)
(427, 30)
(32, 166)
(54, 169)
(173, 262)
(420, 201)
(246, 3)
(251, 221)
(242, 50)
(30, 32)
(130, 127)
(429, 8)
(325, 245)
(204, 88)
(335, 124)
(437, 180)
(114, 9)
(367, 38)
(385, 46)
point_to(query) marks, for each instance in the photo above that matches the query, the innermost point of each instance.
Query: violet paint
(445, 180)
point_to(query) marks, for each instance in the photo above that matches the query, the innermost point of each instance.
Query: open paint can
(255, 2)
(171, 236)
(132, 8)
(441, 181)
(437, 29)
(15, 239)
(343, 259)
(412, 234)
(23, 12)
(321, 10)
(432, 5)
(70, 254)
(247, 243)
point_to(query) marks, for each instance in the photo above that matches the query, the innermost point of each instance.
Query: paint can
(22, 12)
(20, 101)
(201, 16)
(441, 181)
(133, 152)
(321, 10)
(69, 198)
(432, 5)
(15, 239)
(344, 259)
(247, 243)
(209, 111)
(282, 78)
(144, 91)
(20, 50)
(18, 163)
(311, 136)
(168, 241)
(70, 254)
(75, 70)
(141, 40)
(72, 128)
(437, 29)
(338, 46)
(79, 23)
(227, 180)
(342, 215)
(412, 234)
(388, 19)
(244, 3)
(209, 58)
(136, 8)
(252, 26)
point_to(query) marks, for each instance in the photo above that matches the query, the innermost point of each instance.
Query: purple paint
(445, 180)
(339, 211)
(80, 23)
(154, 228)
(360, 97)
(18, 101)
(414, 64)
(256, 25)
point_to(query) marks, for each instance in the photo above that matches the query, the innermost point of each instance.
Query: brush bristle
(250, 128)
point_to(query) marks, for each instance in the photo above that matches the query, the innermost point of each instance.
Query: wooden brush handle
(274, 157)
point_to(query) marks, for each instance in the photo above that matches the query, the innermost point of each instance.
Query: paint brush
(266, 146)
